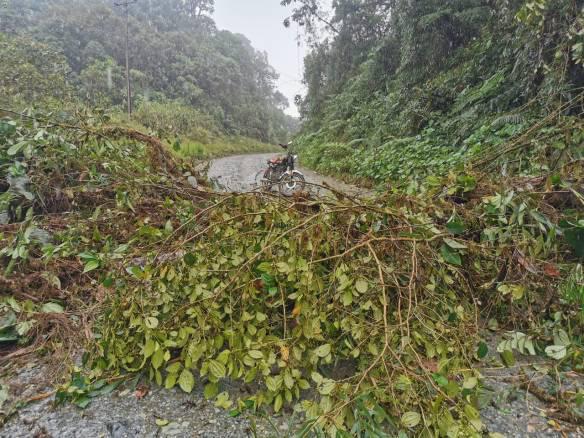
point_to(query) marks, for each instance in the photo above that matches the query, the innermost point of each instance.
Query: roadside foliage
(401, 91)
(363, 315)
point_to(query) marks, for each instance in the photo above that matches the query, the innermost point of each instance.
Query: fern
(430, 19)
(477, 94)
(507, 119)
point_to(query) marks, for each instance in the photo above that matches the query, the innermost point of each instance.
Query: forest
(444, 298)
(434, 82)
(189, 78)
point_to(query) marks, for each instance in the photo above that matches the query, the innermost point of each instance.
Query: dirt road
(237, 174)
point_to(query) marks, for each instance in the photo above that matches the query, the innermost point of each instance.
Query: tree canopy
(177, 54)
(381, 70)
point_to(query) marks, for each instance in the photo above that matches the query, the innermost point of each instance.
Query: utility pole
(126, 5)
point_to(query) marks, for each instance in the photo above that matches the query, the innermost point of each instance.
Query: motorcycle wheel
(261, 182)
(290, 184)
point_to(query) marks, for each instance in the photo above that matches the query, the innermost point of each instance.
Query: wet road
(237, 174)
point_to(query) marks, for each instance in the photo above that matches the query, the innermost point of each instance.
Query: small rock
(118, 429)
(172, 429)
(193, 182)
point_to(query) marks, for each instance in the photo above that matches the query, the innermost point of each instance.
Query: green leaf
(557, 352)
(347, 298)
(161, 422)
(561, 338)
(327, 386)
(104, 390)
(516, 291)
(256, 354)
(223, 401)
(151, 322)
(52, 308)
(452, 389)
(288, 381)
(217, 369)
(303, 384)
(91, 265)
(82, 402)
(211, 390)
(470, 383)
(190, 259)
(135, 271)
(455, 226)
(454, 244)
(157, 358)
(482, 350)
(272, 384)
(174, 368)
(186, 381)
(440, 379)
(8, 335)
(316, 377)
(170, 381)
(323, 350)
(411, 419)
(283, 267)
(508, 358)
(265, 267)
(278, 402)
(362, 286)
(14, 149)
(450, 256)
(149, 348)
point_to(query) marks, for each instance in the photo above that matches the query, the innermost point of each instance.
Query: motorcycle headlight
(295, 157)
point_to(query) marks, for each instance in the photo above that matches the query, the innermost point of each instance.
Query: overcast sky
(261, 22)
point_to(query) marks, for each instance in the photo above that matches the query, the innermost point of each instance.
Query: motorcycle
(281, 172)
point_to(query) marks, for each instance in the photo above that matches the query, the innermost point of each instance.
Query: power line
(126, 5)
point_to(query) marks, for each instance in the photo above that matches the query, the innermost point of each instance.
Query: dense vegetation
(194, 285)
(183, 67)
(365, 316)
(403, 88)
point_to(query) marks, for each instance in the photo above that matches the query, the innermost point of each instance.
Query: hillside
(188, 77)
(399, 89)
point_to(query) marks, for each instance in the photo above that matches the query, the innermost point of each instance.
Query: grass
(223, 146)
(212, 146)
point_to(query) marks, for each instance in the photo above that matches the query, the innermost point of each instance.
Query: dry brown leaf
(285, 353)
(296, 311)
(551, 270)
(141, 391)
(524, 262)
